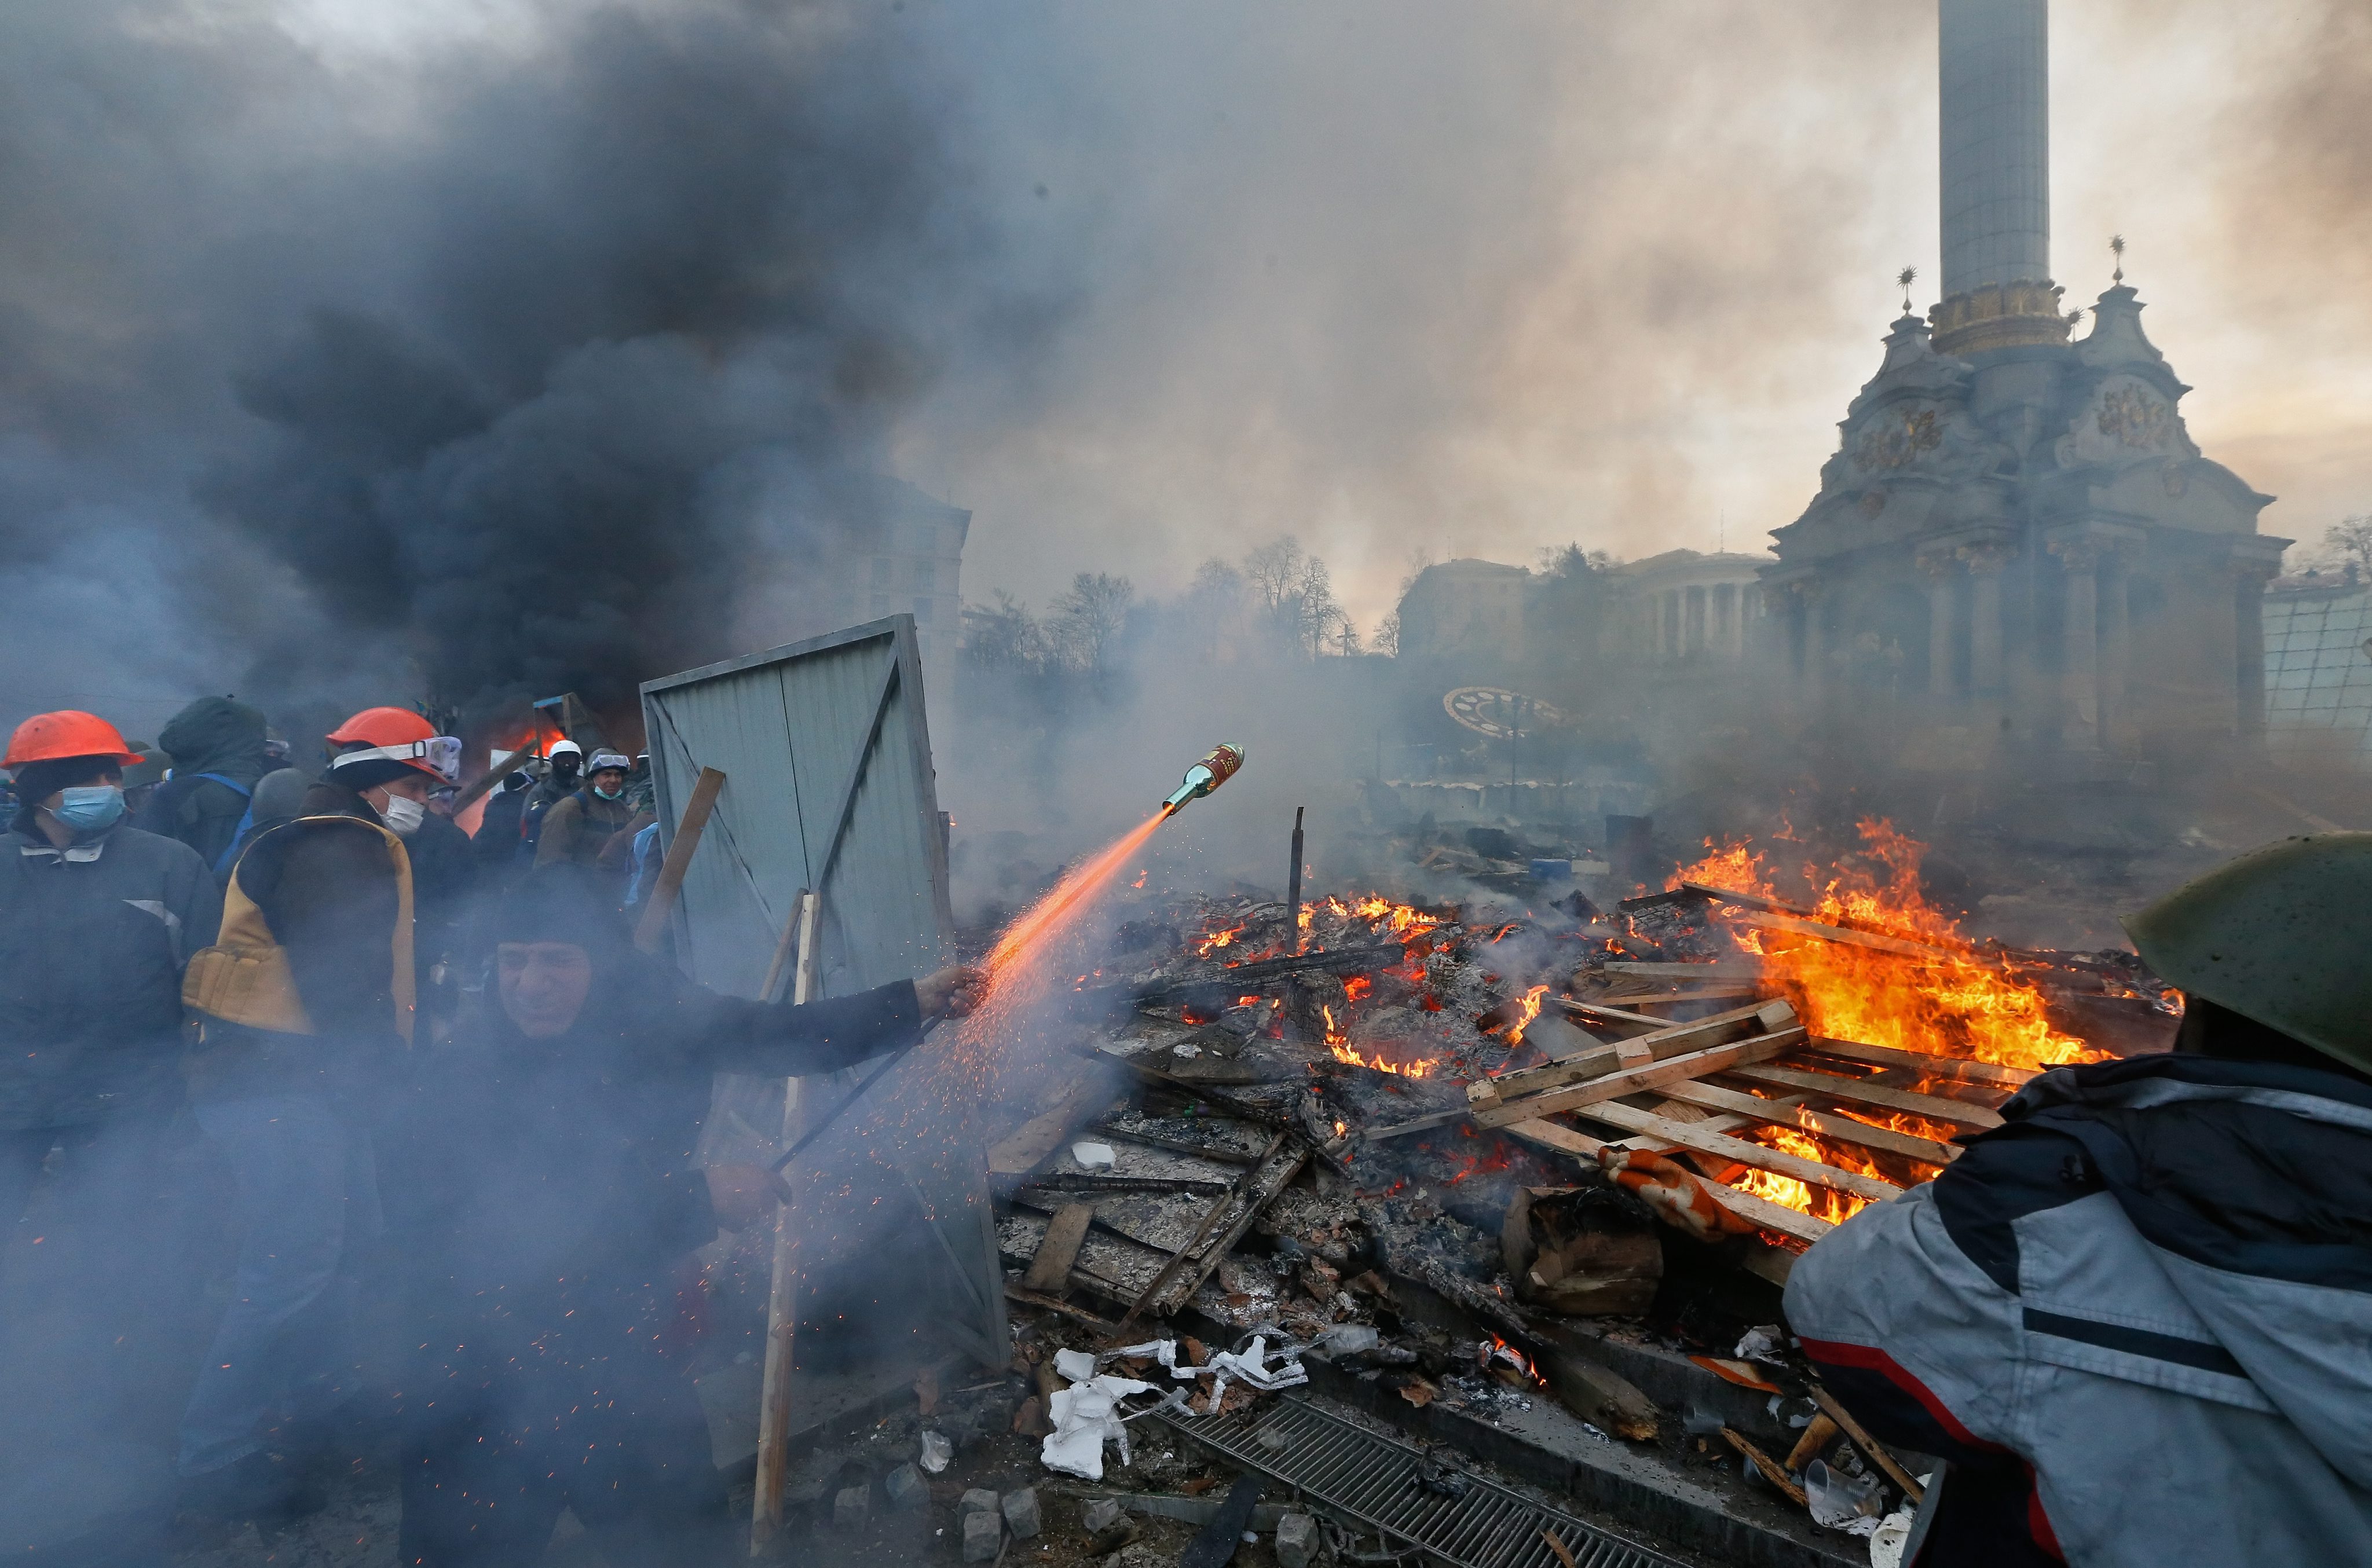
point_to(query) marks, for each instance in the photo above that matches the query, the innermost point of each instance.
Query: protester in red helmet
(306, 1003)
(96, 919)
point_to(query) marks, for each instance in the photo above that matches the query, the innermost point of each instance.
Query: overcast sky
(1470, 280)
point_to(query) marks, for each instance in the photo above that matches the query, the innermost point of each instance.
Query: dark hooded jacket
(213, 734)
(92, 942)
(543, 1189)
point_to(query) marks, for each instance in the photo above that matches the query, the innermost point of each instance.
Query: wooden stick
(490, 778)
(679, 859)
(782, 1290)
(1721, 1144)
(1048, 1303)
(1869, 1444)
(1843, 1129)
(1770, 1468)
(1959, 1112)
(1817, 1437)
(794, 923)
(1564, 1555)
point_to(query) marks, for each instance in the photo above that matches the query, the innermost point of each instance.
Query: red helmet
(45, 738)
(397, 734)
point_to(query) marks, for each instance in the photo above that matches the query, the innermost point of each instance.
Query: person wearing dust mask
(96, 919)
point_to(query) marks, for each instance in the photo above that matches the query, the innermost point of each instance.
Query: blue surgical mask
(89, 807)
(608, 794)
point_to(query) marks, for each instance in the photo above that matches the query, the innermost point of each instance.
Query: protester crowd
(431, 1065)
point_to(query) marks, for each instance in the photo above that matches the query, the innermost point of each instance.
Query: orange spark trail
(1051, 913)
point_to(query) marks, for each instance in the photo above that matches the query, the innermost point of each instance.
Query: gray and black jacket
(92, 941)
(2136, 1319)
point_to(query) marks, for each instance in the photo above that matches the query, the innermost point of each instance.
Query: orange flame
(1963, 1004)
(1338, 1040)
(1398, 920)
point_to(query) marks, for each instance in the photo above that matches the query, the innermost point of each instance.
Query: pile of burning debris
(1462, 1154)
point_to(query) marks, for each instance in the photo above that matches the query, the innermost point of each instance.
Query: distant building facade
(1686, 605)
(1464, 609)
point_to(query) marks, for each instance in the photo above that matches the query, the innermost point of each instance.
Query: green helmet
(2277, 936)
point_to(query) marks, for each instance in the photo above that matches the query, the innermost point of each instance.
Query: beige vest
(244, 977)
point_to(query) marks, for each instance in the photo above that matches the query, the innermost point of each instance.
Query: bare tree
(1004, 636)
(1087, 615)
(1273, 571)
(2351, 540)
(1386, 640)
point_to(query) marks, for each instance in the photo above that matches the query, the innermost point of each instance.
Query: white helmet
(565, 748)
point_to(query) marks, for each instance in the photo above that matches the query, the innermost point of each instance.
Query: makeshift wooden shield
(829, 786)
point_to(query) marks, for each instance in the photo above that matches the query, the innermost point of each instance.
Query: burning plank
(1993, 1074)
(1667, 1041)
(1843, 1129)
(1895, 946)
(1858, 1091)
(1756, 1211)
(1676, 1070)
(1811, 1172)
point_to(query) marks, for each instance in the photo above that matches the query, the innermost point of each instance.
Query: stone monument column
(1986, 563)
(1943, 575)
(2116, 647)
(2080, 658)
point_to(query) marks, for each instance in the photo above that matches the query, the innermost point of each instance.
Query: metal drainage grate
(1374, 1479)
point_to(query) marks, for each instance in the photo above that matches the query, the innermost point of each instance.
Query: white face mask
(403, 814)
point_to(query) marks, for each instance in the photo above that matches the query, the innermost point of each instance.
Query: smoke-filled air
(889, 782)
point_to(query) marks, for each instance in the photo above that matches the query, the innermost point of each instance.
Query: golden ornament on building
(2011, 315)
(1896, 443)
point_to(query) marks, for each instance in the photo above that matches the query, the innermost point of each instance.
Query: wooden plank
(1867, 1445)
(1843, 1129)
(1560, 1139)
(1268, 1180)
(1668, 1040)
(1719, 969)
(1993, 1074)
(1959, 1112)
(1678, 1069)
(1743, 899)
(1621, 1015)
(1811, 1172)
(1893, 947)
(1084, 1099)
(680, 849)
(1694, 993)
(1059, 1247)
(781, 1315)
(1220, 1209)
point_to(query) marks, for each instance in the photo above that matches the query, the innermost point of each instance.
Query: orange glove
(1679, 1195)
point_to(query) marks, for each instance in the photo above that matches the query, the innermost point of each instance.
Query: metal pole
(1293, 881)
